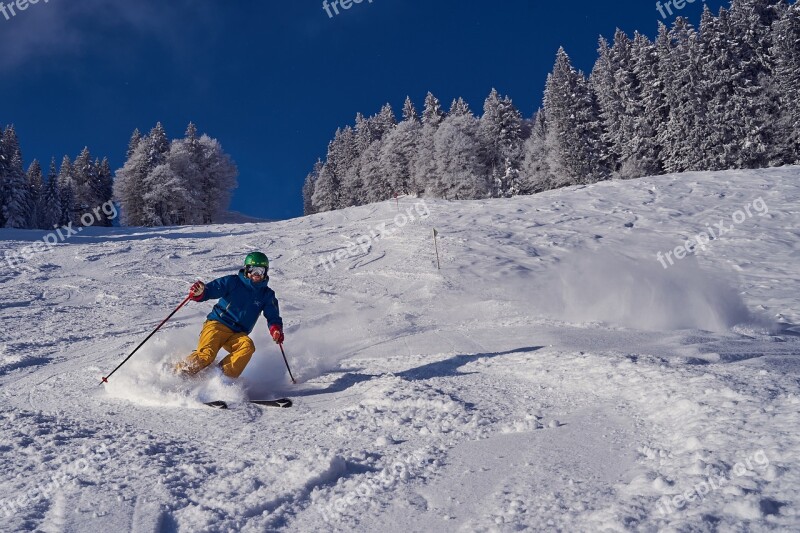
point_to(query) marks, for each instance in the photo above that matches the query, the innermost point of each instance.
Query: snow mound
(601, 287)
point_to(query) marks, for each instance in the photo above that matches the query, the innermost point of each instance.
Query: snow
(553, 375)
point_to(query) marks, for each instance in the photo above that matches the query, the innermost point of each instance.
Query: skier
(241, 298)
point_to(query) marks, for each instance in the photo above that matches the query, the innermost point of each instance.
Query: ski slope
(553, 375)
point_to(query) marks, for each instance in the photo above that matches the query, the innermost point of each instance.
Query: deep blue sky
(272, 80)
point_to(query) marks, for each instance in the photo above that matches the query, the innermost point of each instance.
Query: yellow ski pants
(213, 337)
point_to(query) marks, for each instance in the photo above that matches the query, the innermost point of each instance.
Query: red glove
(277, 333)
(197, 290)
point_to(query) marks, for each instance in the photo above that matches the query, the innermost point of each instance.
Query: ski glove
(197, 290)
(277, 333)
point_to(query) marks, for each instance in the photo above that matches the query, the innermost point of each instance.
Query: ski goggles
(256, 271)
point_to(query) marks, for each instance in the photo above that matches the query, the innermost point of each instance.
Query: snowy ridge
(552, 375)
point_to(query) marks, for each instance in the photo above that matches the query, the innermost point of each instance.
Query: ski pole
(287, 364)
(105, 379)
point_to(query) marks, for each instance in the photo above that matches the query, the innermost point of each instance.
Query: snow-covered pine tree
(164, 197)
(376, 185)
(760, 16)
(432, 112)
(574, 133)
(619, 95)
(535, 175)
(440, 184)
(218, 175)
(459, 107)
(136, 138)
(341, 163)
(785, 53)
(155, 149)
(398, 149)
(186, 160)
(83, 174)
(131, 186)
(129, 182)
(354, 160)
(461, 172)
(363, 133)
(502, 136)
(684, 134)
(715, 88)
(653, 110)
(437, 185)
(384, 121)
(752, 106)
(36, 194)
(66, 192)
(326, 190)
(308, 188)
(158, 145)
(102, 189)
(50, 210)
(4, 166)
(423, 164)
(410, 111)
(18, 217)
(192, 137)
(609, 100)
(351, 185)
(636, 126)
(15, 184)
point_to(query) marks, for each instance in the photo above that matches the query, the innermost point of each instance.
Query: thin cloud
(61, 29)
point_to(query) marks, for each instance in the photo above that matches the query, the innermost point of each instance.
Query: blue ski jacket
(241, 301)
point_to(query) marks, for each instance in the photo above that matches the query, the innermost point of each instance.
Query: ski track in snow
(552, 376)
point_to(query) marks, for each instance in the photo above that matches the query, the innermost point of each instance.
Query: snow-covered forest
(724, 96)
(186, 181)
(33, 200)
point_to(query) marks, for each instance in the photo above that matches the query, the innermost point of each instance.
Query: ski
(281, 402)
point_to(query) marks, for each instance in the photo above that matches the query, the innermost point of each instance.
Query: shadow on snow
(446, 368)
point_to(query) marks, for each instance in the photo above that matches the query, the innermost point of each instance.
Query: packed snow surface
(552, 375)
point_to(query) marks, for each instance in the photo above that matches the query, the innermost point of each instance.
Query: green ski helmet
(256, 259)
